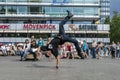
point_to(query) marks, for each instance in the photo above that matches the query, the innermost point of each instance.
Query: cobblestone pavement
(92, 69)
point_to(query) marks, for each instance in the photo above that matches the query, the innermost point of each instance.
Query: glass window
(22, 0)
(35, 9)
(11, 0)
(59, 1)
(77, 1)
(89, 1)
(22, 10)
(89, 11)
(78, 10)
(64, 10)
(35, 0)
(2, 0)
(96, 1)
(11, 9)
(47, 1)
(96, 11)
(47, 10)
(1, 35)
(70, 9)
(43, 10)
(2, 9)
(56, 10)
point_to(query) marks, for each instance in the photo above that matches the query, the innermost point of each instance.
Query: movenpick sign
(28, 26)
(4, 26)
(39, 26)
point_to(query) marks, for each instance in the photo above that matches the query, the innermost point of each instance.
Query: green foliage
(107, 20)
(114, 26)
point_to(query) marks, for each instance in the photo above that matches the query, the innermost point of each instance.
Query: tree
(115, 27)
(107, 20)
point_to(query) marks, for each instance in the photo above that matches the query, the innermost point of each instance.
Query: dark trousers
(113, 54)
(118, 53)
(93, 52)
(34, 54)
(66, 38)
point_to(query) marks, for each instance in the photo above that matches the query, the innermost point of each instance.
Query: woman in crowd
(34, 49)
(26, 49)
(113, 49)
(98, 49)
(118, 50)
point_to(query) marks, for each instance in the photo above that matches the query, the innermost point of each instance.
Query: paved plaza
(92, 69)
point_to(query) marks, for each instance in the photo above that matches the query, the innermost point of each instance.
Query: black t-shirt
(55, 42)
(34, 46)
(53, 46)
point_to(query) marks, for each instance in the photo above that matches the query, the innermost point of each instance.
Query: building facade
(23, 18)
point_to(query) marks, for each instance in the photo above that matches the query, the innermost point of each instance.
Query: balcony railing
(49, 4)
(21, 39)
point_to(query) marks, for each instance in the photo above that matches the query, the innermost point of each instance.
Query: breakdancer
(60, 39)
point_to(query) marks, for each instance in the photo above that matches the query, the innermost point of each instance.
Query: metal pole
(27, 32)
(51, 32)
(3, 35)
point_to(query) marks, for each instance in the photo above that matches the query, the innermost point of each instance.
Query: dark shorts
(54, 50)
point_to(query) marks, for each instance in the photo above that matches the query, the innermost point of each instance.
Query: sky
(114, 6)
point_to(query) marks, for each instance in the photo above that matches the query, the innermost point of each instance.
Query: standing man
(118, 50)
(41, 42)
(113, 49)
(94, 44)
(85, 48)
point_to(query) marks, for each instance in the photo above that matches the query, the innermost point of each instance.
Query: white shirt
(94, 44)
(118, 46)
(26, 46)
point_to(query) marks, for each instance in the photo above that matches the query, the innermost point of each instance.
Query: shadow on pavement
(47, 66)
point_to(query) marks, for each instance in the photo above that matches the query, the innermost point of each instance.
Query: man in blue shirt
(41, 42)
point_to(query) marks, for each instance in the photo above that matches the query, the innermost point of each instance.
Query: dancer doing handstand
(60, 39)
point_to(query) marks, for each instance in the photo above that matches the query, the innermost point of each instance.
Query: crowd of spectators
(67, 50)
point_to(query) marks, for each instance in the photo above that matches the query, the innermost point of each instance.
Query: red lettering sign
(39, 26)
(4, 26)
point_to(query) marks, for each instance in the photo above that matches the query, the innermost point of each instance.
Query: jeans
(24, 54)
(118, 53)
(68, 39)
(3, 51)
(27, 51)
(93, 52)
